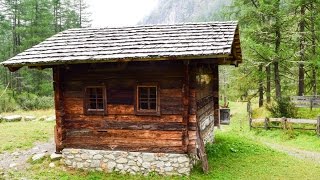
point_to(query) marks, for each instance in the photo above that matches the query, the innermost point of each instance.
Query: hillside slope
(179, 11)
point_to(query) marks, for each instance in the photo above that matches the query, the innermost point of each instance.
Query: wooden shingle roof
(151, 42)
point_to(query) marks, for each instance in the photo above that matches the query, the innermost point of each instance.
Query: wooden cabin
(152, 90)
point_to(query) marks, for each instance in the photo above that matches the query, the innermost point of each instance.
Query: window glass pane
(143, 105)
(153, 91)
(99, 92)
(143, 91)
(100, 105)
(92, 105)
(153, 106)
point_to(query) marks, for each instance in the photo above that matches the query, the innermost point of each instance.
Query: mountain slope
(179, 11)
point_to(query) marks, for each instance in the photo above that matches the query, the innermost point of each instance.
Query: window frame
(137, 100)
(88, 111)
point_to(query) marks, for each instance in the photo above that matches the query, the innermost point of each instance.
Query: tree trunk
(277, 80)
(268, 89)
(302, 24)
(313, 39)
(260, 86)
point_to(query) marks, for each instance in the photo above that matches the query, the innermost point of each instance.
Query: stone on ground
(29, 118)
(38, 156)
(55, 156)
(52, 165)
(12, 165)
(16, 154)
(50, 118)
(12, 118)
(42, 118)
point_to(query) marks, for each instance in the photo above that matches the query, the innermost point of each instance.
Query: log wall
(120, 128)
(205, 101)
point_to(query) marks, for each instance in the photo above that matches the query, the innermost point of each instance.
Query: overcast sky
(119, 12)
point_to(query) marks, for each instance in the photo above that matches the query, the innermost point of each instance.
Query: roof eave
(16, 66)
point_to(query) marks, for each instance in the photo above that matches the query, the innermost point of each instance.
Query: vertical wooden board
(58, 74)
(215, 89)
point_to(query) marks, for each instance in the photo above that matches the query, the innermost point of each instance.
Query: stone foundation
(128, 162)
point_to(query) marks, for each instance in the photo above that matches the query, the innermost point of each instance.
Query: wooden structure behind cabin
(138, 89)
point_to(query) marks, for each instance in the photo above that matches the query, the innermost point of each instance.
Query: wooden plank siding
(59, 130)
(120, 128)
(205, 104)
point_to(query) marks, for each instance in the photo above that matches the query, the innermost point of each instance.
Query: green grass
(237, 154)
(236, 157)
(306, 140)
(306, 113)
(233, 156)
(303, 113)
(23, 135)
(37, 113)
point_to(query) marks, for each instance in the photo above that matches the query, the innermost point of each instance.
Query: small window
(147, 100)
(95, 100)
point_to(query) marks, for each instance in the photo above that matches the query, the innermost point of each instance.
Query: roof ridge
(156, 25)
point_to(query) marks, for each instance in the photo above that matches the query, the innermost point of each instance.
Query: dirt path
(18, 160)
(298, 153)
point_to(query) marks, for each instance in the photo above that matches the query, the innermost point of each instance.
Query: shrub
(8, 104)
(28, 101)
(283, 108)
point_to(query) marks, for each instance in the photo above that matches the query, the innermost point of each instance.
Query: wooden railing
(282, 123)
(306, 101)
(285, 123)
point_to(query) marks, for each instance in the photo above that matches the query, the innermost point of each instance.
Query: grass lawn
(232, 157)
(235, 155)
(22, 135)
(306, 140)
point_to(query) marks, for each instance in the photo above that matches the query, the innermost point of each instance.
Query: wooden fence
(306, 101)
(283, 123)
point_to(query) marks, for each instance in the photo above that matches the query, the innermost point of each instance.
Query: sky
(112, 13)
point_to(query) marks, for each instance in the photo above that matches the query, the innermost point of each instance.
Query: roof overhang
(231, 55)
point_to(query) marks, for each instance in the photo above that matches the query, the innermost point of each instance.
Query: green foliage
(299, 139)
(28, 101)
(261, 112)
(283, 108)
(23, 24)
(7, 102)
(307, 113)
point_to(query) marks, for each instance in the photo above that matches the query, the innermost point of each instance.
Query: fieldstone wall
(128, 162)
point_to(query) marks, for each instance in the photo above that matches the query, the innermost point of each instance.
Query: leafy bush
(283, 108)
(28, 101)
(7, 103)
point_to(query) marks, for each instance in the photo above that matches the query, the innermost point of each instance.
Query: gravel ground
(298, 153)
(17, 160)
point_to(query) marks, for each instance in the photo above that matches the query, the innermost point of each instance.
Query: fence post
(266, 123)
(249, 114)
(318, 126)
(284, 123)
